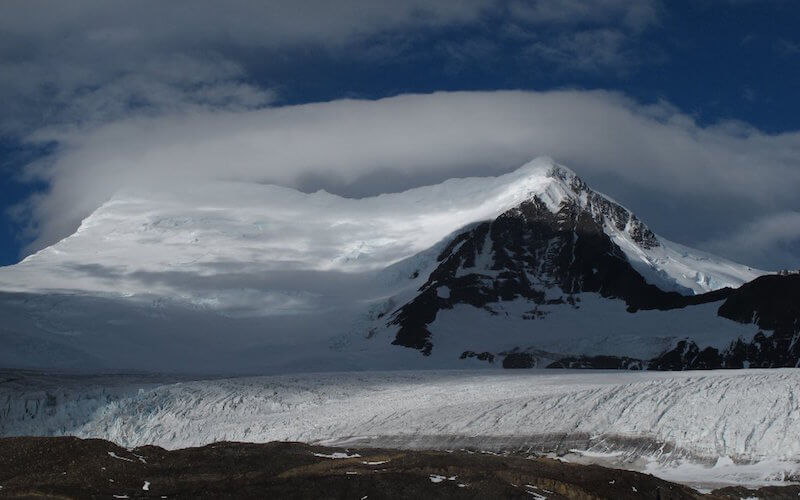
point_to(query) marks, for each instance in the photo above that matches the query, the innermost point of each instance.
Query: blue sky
(722, 75)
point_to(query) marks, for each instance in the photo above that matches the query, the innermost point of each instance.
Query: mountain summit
(130, 243)
(531, 268)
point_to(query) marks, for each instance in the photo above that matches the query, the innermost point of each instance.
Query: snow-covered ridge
(264, 279)
(163, 243)
(668, 265)
(668, 419)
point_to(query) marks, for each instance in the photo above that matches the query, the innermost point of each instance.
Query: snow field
(243, 247)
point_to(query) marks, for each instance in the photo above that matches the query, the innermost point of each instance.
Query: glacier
(704, 428)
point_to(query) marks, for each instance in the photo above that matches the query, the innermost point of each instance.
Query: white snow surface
(191, 242)
(244, 278)
(565, 330)
(337, 455)
(721, 427)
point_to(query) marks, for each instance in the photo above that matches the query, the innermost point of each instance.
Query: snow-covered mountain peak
(668, 265)
(251, 275)
(162, 241)
(568, 188)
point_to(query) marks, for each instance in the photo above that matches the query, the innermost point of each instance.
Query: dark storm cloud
(89, 61)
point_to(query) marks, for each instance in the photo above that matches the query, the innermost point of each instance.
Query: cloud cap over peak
(363, 147)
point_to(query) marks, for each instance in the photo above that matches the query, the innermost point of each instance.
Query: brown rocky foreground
(65, 467)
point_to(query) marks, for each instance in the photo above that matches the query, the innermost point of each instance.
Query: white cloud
(422, 137)
(195, 22)
(153, 91)
(89, 60)
(65, 91)
(774, 236)
(585, 51)
(583, 36)
(633, 14)
(81, 95)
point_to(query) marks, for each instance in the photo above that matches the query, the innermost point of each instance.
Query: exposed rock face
(530, 252)
(482, 356)
(519, 360)
(600, 363)
(73, 468)
(772, 351)
(686, 356)
(604, 210)
(771, 302)
(550, 256)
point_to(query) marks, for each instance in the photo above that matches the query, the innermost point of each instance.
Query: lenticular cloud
(412, 140)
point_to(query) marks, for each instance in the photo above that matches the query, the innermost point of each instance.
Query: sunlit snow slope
(157, 241)
(221, 277)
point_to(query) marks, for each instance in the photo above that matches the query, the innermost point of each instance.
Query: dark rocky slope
(549, 259)
(772, 303)
(528, 251)
(75, 468)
